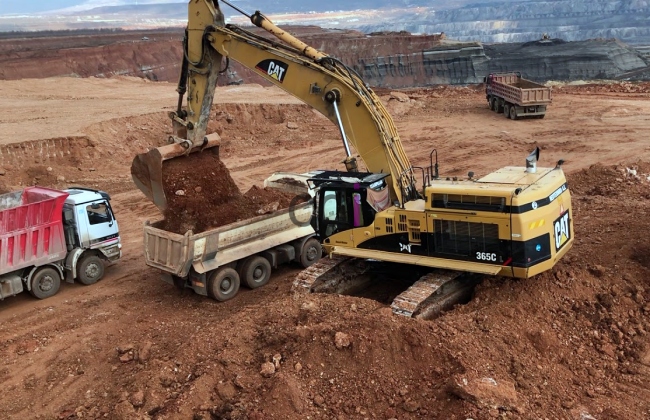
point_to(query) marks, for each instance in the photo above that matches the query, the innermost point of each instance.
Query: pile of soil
(570, 343)
(202, 195)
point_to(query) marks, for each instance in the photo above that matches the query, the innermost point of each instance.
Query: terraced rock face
(507, 21)
(385, 59)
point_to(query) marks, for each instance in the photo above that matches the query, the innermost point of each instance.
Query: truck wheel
(494, 105)
(311, 252)
(513, 113)
(256, 272)
(223, 284)
(90, 270)
(506, 110)
(45, 283)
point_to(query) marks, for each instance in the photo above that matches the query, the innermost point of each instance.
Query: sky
(32, 7)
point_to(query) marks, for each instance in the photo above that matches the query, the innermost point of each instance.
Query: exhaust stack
(531, 161)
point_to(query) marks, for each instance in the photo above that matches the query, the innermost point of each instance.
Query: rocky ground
(572, 343)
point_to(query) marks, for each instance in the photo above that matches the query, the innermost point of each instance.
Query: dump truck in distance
(516, 97)
(48, 235)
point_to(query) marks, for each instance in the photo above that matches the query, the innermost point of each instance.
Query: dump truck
(215, 262)
(516, 97)
(48, 235)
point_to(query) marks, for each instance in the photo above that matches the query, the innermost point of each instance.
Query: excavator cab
(345, 200)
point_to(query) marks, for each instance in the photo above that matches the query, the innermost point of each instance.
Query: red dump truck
(516, 97)
(49, 235)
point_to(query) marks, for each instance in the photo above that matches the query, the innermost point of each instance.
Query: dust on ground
(571, 343)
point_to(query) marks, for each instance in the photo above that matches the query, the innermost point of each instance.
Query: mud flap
(198, 283)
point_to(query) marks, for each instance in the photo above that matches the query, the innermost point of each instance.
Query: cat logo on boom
(562, 231)
(273, 68)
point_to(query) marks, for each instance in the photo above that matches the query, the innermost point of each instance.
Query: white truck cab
(91, 234)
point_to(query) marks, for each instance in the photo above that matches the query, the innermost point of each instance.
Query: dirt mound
(616, 87)
(202, 195)
(570, 343)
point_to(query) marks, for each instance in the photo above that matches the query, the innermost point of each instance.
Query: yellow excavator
(516, 221)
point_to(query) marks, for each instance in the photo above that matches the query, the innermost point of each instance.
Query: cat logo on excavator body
(273, 68)
(562, 230)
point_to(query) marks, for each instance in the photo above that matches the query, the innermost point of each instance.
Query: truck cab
(89, 224)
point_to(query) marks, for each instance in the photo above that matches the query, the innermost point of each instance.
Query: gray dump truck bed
(194, 260)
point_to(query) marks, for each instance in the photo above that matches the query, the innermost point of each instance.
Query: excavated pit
(202, 195)
(569, 343)
(384, 281)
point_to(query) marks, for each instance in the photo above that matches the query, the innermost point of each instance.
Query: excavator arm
(315, 78)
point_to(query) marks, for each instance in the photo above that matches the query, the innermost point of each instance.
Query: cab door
(341, 209)
(100, 225)
(334, 212)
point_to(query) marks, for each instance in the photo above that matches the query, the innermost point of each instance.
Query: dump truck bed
(31, 228)
(176, 254)
(513, 88)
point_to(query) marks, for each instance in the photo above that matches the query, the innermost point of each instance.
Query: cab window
(98, 213)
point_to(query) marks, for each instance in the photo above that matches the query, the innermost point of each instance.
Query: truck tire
(513, 113)
(494, 104)
(506, 110)
(311, 252)
(90, 269)
(256, 272)
(45, 283)
(223, 284)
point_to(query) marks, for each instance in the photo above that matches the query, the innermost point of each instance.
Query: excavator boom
(514, 222)
(321, 81)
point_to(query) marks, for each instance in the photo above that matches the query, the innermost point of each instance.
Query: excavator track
(310, 275)
(427, 298)
(434, 293)
(338, 275)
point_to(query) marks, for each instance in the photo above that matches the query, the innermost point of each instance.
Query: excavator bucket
(147, 168)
